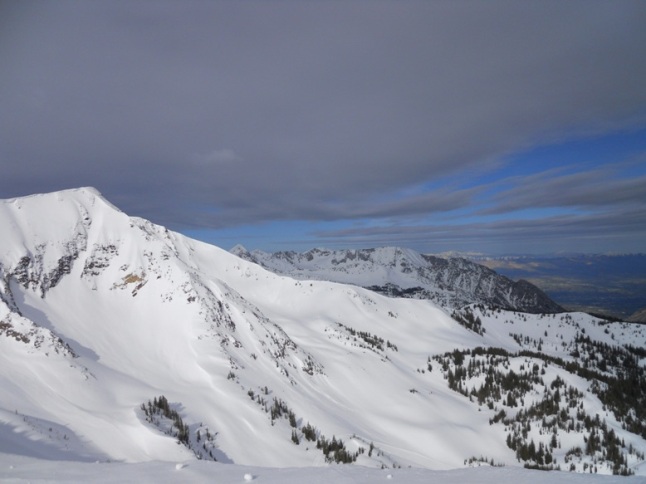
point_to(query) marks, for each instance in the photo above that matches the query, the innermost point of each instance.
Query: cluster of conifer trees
(503, 381)
(334, 450)
(160, 407)
(373, 341)
(467, 319)
(160, 413)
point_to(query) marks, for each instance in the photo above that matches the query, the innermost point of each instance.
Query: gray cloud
(592, 189)
(585, 233)
(214, 114)
(351, 207)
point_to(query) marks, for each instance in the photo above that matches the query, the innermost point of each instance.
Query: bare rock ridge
(393, 271)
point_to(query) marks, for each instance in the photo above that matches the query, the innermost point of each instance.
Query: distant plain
(613, 285)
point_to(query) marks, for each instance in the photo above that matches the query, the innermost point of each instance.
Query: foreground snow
(22, 469)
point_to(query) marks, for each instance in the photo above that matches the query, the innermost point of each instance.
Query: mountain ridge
(449, 282)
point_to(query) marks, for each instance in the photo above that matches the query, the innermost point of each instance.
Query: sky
(498, 127)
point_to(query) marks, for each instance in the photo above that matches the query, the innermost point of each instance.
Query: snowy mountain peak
(86, 196)
(239, 250)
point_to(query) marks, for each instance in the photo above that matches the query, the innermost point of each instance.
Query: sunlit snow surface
(101, 312)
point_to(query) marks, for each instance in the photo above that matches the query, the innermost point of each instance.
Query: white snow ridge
(130, 352)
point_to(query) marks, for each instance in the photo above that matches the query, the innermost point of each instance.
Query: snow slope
(101, 314)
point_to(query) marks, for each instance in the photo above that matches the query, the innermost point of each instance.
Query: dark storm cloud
(221, 113)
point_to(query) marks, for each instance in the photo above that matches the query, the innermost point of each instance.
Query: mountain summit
(449, 282)
(122, 340)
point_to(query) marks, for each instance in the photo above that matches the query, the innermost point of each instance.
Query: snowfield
(132, 353)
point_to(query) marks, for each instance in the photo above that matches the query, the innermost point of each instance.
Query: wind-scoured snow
(101, 314)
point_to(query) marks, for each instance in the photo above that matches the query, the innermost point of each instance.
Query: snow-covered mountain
(121, 340)
(449, 282)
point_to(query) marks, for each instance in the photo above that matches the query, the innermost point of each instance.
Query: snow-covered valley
(124, 342)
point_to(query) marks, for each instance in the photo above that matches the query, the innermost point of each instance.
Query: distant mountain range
(449, 282)
(122, 340)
